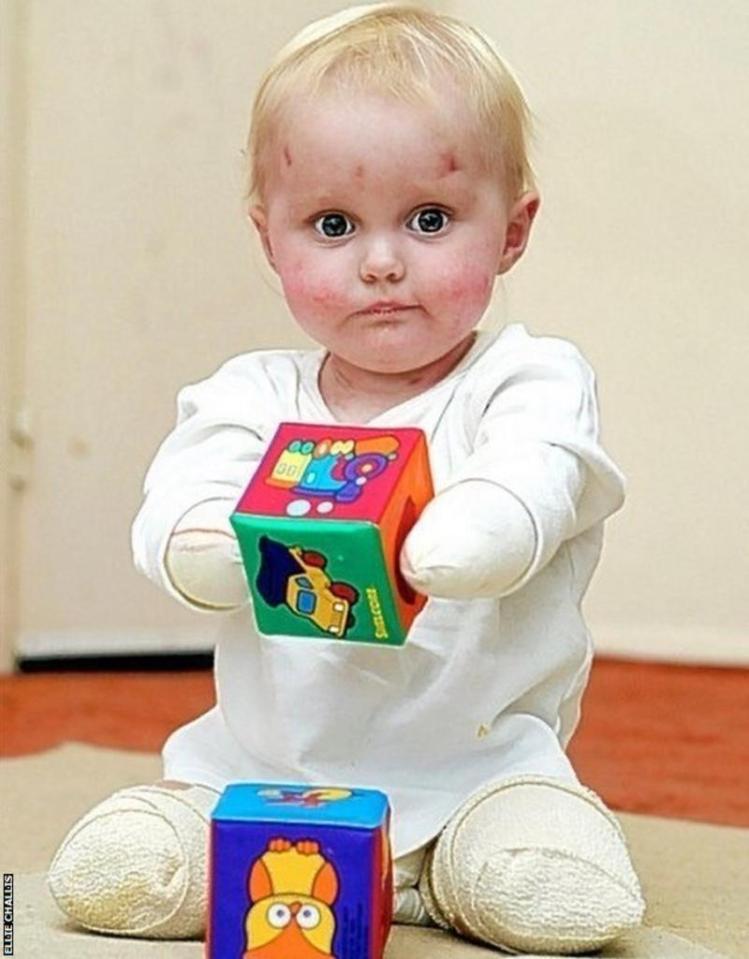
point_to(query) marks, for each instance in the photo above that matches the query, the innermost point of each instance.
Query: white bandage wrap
(135, 865)
(533, 865)
(203, 559)
(474, 540)
(408, 908)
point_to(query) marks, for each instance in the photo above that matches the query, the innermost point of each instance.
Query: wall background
(131, 271)
(11, 309)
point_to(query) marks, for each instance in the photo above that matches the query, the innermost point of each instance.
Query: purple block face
(299, 873)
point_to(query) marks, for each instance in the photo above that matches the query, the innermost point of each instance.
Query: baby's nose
(381, 261)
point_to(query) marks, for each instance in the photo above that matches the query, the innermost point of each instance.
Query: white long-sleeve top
(483, 688)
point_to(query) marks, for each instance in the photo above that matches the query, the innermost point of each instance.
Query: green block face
(322, 579)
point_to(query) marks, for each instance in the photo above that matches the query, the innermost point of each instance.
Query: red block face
(329, 472)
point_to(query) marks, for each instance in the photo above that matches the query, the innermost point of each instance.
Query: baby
(390, 185)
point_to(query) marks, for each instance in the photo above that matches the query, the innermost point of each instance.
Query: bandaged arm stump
(182, 538)
(536, 477)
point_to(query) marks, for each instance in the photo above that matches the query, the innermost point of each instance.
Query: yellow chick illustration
(292, 888)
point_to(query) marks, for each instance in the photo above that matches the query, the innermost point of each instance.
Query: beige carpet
(696, 877)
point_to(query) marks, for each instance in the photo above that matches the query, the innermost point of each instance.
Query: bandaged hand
(203, 561)
(474, 540)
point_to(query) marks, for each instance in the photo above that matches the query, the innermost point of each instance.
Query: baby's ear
(259, 218)
(518, 231)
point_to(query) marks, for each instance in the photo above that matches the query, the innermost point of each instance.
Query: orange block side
(411, 494)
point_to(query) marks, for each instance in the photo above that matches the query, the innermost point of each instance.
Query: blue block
(299, 872)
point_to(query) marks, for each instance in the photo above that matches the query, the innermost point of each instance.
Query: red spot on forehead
(449, 164)
(287, 156)
(359, 171)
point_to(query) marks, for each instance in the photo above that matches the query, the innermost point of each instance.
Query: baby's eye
(430, 219)
(332, 224)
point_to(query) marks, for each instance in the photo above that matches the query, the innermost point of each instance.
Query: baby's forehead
(368, 135)
(308, 188)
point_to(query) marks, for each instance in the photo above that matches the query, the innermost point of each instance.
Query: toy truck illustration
(296, 577)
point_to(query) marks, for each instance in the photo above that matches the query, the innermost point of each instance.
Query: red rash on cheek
(466, 285)
(300, 287)
(323, 295)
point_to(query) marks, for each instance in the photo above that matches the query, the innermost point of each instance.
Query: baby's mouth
(386, 310)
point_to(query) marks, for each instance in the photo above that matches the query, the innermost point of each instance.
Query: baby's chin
(399, 359)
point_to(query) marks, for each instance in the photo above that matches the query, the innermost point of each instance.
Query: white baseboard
(693, 645)
(55, 643)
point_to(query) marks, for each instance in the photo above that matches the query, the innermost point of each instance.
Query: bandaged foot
(474, 540)
(533, 865)
(408, 908)
(135, 865)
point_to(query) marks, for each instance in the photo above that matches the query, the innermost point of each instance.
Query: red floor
(666, 740)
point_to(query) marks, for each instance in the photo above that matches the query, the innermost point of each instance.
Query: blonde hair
(397, 49)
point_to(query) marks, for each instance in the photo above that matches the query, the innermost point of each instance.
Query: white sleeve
(223, 427)
(538, 438)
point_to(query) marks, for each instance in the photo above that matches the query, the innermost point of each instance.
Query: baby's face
(373, 201)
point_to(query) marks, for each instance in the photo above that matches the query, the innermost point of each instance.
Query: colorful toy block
(299, 872)
(321, 526)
